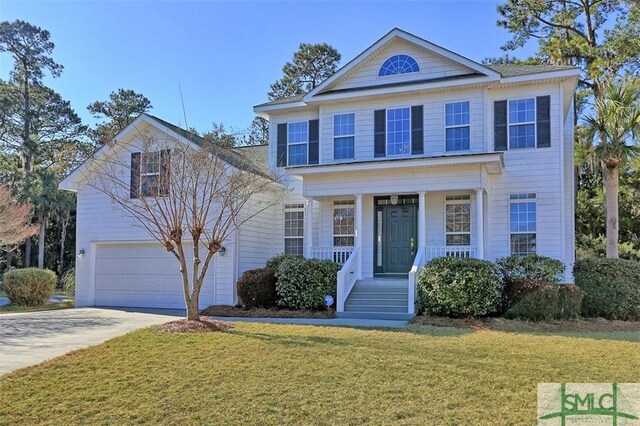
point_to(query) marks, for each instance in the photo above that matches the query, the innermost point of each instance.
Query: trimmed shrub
(276, 260)
(516, 289)
(569, 301)
(30, 286)
(257, 288)
(450, 286)
(68, 281)
(532, 267)
(541, 304)
(303, 283)
(611, 288)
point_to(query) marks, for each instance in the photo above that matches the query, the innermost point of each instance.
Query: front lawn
(286, 374)
(51, 306)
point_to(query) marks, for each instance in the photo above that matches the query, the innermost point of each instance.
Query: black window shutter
(282, 145)
(379, 129)
(135, 175)
(417, 133)
(165, 173)
(500, 125)
(543, 121)
(314, 142)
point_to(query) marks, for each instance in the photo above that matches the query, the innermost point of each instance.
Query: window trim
(384, 63)
(292, 208)
(353, 135)
(386, 132)
(529, 197)
(466, 200)
(456, 126)
(290, 144)
(534, 123)
(342, 204)
(142, 174)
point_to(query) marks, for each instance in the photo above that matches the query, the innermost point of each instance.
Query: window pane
(523, 244)
(297, 154)
(149, 185)
(457, 114)
(298, 132)
(398, 132)
(522, 136)
(294, 224)
(343, 124)
(150, 162)
(458, 239)
(343, 148)
(522, 111)
(343, 241)
(522, 217)
(457, 139)
(294, 246)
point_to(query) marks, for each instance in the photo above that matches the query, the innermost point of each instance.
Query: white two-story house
(411, 151)
(406, 153)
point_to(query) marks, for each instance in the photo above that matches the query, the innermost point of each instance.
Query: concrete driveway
(32, 337)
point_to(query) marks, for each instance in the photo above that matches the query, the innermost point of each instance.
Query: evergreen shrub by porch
(611, 288)
(30, 286)
(450, 286)
(303, 283)
(531, 267)
(276, 260)
(544, 301)
(257, 288)
(569, 301)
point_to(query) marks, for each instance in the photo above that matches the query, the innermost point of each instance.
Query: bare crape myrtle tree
(188, 196)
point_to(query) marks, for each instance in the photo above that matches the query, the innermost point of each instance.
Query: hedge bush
(611, 288)
(516, 289)
(450, 286)
(257, 288)
(531, 267)
(303, 283)
(276, 260)
(30, 286)
(544, 301)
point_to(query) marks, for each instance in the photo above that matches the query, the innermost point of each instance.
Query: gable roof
(229, 156)
(515, 70)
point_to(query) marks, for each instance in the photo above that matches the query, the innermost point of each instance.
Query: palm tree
(615, 130)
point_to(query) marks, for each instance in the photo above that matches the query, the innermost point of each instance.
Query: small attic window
(398, 64)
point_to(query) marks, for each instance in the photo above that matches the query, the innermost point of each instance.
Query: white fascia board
(260, 109)
(541, 76)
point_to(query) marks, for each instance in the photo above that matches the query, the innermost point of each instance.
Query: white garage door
(142, 276)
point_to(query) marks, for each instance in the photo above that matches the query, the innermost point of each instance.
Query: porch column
(308, 229)
(422, 220)
(480, 223)
(358, 233)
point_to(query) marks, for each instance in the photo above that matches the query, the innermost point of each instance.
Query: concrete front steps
(378, 298)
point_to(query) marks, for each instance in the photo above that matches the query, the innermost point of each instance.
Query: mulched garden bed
(205, 325)
(234, 311)
(502, 324)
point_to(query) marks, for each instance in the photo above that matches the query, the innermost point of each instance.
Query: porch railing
(450, 251)
(335, 254)
(347, 277)
(418, 263)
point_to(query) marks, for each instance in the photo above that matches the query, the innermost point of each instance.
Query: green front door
(399, 238)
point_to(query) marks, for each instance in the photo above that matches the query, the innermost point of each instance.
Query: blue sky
(224, 55)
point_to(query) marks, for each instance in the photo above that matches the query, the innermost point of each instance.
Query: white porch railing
(450, 251)
(347, 277)
(335, 254)
(418, 263)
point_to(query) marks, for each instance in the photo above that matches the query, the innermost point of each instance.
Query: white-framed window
(457, 133)
(343, 223)
(149, 173)
(399, 131)
(458, 220)
(344, 136)
(298, 143)
(294, 229)
(522, 224)
(522, 123)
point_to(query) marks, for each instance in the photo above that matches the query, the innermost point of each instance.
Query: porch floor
(378, 298)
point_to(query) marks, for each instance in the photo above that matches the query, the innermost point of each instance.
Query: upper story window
(344, 130)
(457, 126)
(522, 123)
(398, 64)
(399, 131)
(150, 175)
(522, 224)
(298, 138)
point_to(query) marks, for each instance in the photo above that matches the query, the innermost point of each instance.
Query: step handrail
(347, 277)
(418, 263)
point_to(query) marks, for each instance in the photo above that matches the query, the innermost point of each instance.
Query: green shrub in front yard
(544, 301)
(450, 286)
(30, 286)
(257, 288)
(303, 283)
(276, 260)
(68, 281)
(569, 302)
(611, 288)
(531, 267)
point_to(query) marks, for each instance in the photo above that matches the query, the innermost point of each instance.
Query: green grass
(284, 374)
(11, 309)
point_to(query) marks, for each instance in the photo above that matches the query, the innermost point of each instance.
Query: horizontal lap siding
(431, 66)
